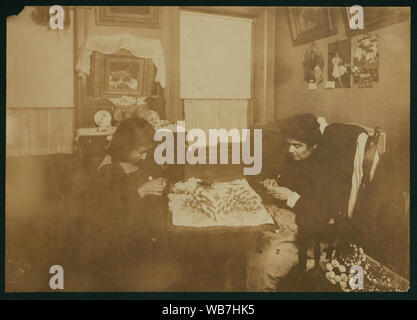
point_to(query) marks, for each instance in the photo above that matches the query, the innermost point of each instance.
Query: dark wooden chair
(339, 232)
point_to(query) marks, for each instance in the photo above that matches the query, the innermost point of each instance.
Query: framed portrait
(339, 69)
(308, 24)
(128, 16)
(122, 74)
(375, 18)
(365, 63)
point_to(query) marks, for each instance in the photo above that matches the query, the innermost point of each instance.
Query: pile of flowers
(218, 199)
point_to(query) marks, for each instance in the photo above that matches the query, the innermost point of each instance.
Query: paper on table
(188, 217)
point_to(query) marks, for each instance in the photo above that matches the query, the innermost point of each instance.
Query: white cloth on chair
(357, 171)
(323, 123)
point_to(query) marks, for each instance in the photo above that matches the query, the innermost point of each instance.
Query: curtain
(216, 113)
(215, 56)
(215, 70)
(39, 131)
(111, 44)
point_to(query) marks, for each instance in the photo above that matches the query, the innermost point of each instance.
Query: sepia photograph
(200, 149)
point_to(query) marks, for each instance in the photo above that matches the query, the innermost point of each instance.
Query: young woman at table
(311, 183)
(301, 184)
(123, 216)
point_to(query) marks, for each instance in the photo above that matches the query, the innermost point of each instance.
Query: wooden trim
(226, 11)
(176, 111)
(250, 111)
(258, 48)
(80, 87)
(246, 99)
(39, 108)
(76, 116)
(263, 109)
(104, 17)
(270, 31)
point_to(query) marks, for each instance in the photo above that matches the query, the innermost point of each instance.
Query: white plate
(102, 118)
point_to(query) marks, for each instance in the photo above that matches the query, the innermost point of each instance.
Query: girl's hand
(280, 193)
(153, 187)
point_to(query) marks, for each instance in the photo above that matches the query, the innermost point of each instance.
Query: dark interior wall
(386, 104)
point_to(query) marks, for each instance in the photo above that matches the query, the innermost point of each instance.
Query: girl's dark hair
(303, 127)
(130, 134)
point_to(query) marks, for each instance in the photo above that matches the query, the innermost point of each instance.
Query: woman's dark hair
(130, 134)
(303, 127)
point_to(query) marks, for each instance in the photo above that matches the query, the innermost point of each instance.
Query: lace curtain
(139, 47)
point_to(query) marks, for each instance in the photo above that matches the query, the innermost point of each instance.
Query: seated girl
(123, 219)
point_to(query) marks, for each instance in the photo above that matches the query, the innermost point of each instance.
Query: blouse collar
(127, 167)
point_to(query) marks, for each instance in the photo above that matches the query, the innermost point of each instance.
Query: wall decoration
(313, 65)
(122, 74)
(310, 23)
(376, 17)
(128, 16)
(365, 66)
(339, 63)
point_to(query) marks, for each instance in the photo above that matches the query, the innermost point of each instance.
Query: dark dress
(121, 238)
(323, 181)
(309, 178)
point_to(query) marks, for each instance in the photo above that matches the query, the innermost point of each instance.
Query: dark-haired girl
(123, 216)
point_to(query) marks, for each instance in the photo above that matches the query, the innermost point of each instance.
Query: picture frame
(376, 18)
(122, 74)
(128, 16)
(339, 63)
(308, 24)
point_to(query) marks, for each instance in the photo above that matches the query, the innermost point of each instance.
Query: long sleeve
(311, 183)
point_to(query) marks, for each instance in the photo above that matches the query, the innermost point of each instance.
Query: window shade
(215, 56)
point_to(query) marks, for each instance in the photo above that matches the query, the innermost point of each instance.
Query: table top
(95, 131)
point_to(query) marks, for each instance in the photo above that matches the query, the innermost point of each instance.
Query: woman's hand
(153, 187)
(280, 193)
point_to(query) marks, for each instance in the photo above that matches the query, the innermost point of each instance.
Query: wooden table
(214, 258)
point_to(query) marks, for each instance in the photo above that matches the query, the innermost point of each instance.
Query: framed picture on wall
(128, 16)
(308, 24)
(376, 17)
(339, 58)
(122, 74)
